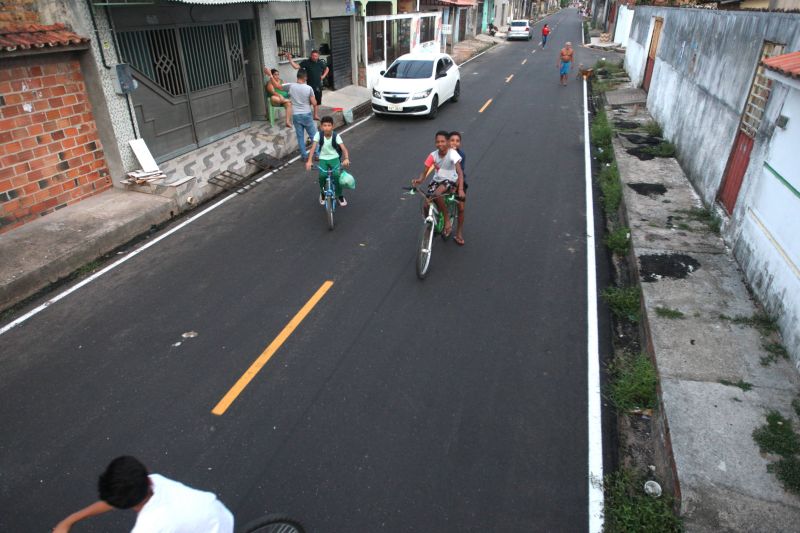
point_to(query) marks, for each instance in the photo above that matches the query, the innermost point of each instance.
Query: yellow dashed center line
(508, 79)
(273, 347)
(489, 101)
(524, 61)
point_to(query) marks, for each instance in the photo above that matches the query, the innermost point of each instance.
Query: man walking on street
(317, 71)
(302, 97)
(545, 33)
(565, 63)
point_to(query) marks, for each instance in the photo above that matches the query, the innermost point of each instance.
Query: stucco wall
(623, 25)
(704, 67)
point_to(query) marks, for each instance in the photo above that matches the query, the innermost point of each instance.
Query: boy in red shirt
(545, 33)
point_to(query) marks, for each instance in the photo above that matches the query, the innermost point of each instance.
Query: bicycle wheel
(273, 523)
(329, 209)
(425, 250)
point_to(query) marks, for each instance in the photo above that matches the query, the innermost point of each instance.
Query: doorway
(651, 54)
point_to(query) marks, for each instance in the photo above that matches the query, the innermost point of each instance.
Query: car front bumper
(421, 106)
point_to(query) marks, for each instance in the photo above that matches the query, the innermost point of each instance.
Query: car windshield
(416, 69)
(519, 23)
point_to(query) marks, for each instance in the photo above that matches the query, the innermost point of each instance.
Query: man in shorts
(317, 71)
(447, 178)
(565, 62)
(161, 504)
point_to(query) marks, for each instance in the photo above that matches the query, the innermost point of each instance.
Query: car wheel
(457, 92)
(434, 108)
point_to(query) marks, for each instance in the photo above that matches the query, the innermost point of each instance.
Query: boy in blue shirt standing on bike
(332, 149)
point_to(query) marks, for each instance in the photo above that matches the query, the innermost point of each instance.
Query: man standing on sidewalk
(317, 71)
(302, 97)
(565, 63)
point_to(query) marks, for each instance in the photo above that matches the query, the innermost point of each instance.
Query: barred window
(289, 34)
(426, 29)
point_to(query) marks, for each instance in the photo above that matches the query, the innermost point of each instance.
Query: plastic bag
(346, 180)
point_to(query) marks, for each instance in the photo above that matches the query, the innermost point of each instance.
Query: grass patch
(653, 129)
(777, 436)
(787, 470)
(627, 508)
(764, 323)
(705, 216)
(624, 302)
(612, 67)
(775, 351)
(611, 189)
(88, 268)
(633, 383)
(663, 149)
(745, 386)
(618, 241)
(666, 312)
(601, 131)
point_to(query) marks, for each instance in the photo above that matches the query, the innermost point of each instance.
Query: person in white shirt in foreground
(162, 505)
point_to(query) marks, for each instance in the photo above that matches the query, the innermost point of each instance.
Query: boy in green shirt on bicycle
(332, 149)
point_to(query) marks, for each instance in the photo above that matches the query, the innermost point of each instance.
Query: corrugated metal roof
(787, 64)
(27, 36)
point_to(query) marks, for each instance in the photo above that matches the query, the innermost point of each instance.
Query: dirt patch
(641, 152)
(656, 266)
(652, 190)
(626, 124)
(635, 138)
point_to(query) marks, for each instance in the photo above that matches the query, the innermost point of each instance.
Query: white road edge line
(115, 264)
(593, 352)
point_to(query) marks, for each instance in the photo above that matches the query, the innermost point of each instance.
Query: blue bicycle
(329, 193)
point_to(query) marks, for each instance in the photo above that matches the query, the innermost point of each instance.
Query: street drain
(648, 189)
(656, 266)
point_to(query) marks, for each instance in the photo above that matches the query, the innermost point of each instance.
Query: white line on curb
(476, 56)
(115, 264)
(593, 352)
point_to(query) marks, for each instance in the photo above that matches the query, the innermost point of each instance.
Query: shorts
(318, 94)
(281, 93)
(565, 67)
(451, 186)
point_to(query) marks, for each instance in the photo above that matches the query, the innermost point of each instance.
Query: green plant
(618, 241)
(796, 405)
(666, 312)
(775, 351)
(633, 383)
(624, 302)
(627, 509)
(663, 149)
(787, 470)
(653, 128)
(601, 131)
(745, 386)
(88, 268)
(705, 216)
(777, 436)
(611, 189)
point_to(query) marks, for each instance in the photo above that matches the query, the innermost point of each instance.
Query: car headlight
(376, 93)
(422, 94)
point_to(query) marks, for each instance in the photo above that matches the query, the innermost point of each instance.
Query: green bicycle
(433, 224)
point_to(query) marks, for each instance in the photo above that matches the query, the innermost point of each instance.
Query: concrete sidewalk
(706, 423)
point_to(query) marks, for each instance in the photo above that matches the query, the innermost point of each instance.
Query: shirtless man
(565, 62)
(278, 96)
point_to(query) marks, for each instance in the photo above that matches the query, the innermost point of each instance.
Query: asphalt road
(453, 404)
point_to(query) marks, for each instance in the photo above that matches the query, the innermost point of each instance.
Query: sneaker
(321, 199)
(342, 201)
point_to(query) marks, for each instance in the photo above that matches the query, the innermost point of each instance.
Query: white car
(519, 29)
(417, 84)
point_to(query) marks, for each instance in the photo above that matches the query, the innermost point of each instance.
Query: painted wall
(622, 28)
(704, 67)
(766, 222)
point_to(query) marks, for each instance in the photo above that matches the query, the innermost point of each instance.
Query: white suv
(519, 29)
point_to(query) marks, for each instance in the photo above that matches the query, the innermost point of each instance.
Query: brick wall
(50, 154)
(19, 11)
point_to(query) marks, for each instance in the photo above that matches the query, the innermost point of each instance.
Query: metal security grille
(154, 53)
(205, 53)
(759, 93)
(289, 36)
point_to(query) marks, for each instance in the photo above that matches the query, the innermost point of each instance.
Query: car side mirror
(383, 72)
(441, 75)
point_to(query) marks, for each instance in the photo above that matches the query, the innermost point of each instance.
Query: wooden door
(735, 170)
(651, 54)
